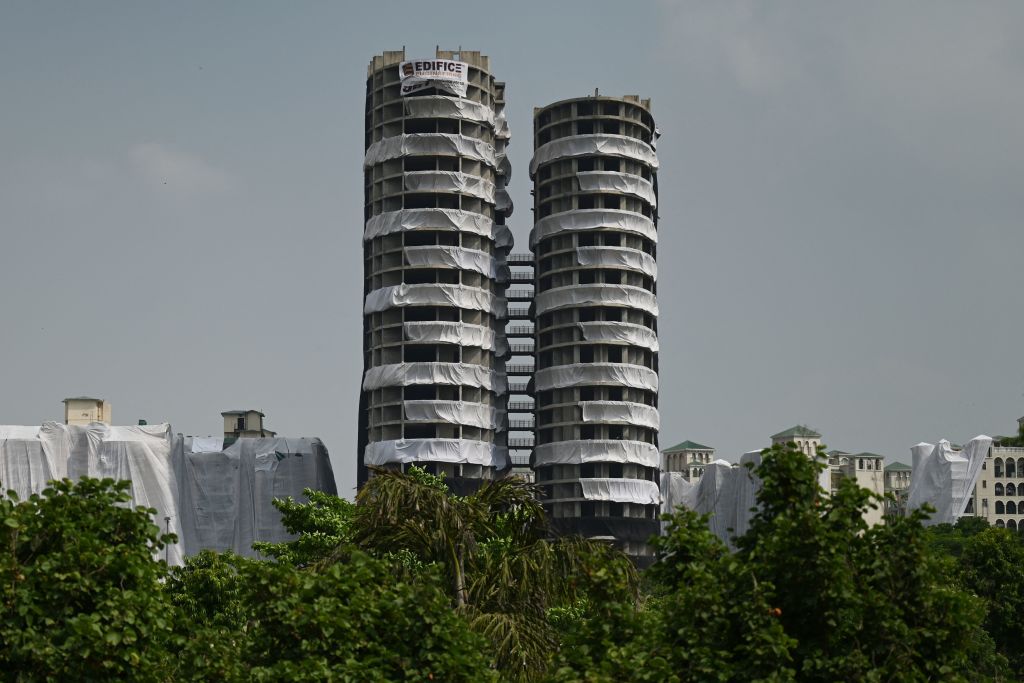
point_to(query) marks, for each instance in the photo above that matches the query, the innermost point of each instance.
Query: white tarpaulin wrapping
(444, 74)
(628, 333)
(596, 295)
(612, 181)
(748, 485)
(596, 374)
(595, 450)
(141, 455)
(454, 412)
(593, 219)
(207, 444)
(620, 412)
(430, 219)
(440, 332)
(458, 296)
(407, 374)
(451, 257)
(436, 450)
(449, 181)
(676, 491)
(726, 492)
(582, 145)
(443, 144)
(32, 456)
(226, 496)
(503, 237)
(504, 166)
(945, 478)
(621, 490)
(211, 499)
(617, 257)
(501, 125)
(441, 107)
(503, 201)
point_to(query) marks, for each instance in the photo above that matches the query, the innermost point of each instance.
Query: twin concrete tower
(478, 361)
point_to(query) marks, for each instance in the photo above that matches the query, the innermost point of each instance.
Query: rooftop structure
(245, 423)
(83, 410)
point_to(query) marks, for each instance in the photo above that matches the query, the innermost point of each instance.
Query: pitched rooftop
(801, 431)
(688, 446)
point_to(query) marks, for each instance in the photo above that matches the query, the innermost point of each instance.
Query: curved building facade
(594, 242)
(435, 245)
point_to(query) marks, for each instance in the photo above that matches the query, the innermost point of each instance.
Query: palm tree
(495, 551)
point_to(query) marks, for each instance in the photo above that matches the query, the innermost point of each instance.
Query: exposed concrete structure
(435, 245)
(596, 385)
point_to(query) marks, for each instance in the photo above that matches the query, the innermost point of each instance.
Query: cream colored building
(897, 484)
(999, 493)
(865, 469)
(83, 410)
(689, 458)
(245, 423)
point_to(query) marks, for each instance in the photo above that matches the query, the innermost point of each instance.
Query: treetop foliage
(413, 583)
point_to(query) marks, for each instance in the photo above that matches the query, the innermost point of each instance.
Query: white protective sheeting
(503, 239)
(617, 257)
(207, 444)
(141, 455)
(676, 491)
(595, 450)
(627, 333)
(407, 374)
(30, 457)
(439, 332)
(583, 145)
(748, 485)
(596, 374)
(612, 181)
(444, 144)
(621, 490)
(725, 492)
(596, 295)
(451, 257)
(463, 451)
(945, 478)
(503, 201)
(454, 412)
(458, 296)
(621, 413)
(429, 219)
(593, 219)
(226, 496)
(441, 107)
(449, 181)
(210, 499)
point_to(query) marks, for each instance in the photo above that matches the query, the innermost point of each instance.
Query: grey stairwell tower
(594, 242)
(435, 244)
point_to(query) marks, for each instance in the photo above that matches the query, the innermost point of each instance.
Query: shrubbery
(414, 583)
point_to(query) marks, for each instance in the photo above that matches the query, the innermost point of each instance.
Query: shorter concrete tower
(594, 242)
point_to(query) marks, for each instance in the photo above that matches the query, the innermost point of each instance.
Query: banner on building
(443, 74)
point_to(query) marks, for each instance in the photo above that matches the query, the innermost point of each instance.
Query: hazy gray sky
(842, 194)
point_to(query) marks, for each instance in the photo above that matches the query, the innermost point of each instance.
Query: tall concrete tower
(594, 242)
(435, 245)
